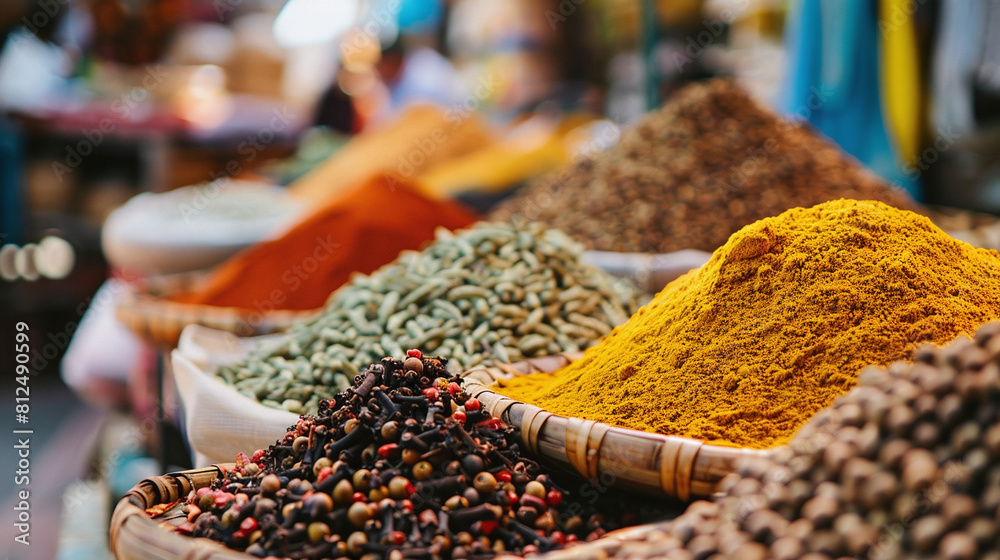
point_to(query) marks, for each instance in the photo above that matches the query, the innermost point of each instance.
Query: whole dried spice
(778, 324)
(493, 293)
(907, 465)
(403, 464)
(689, 175)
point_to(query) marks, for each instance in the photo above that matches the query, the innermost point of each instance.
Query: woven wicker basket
(669, 466)
(146, 311)
(135, 536)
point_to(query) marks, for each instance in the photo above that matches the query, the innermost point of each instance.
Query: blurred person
(417, 75)
(336, 108)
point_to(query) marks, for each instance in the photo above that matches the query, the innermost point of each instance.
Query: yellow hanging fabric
(900, 73)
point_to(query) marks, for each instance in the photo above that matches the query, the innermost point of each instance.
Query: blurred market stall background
(145, 141)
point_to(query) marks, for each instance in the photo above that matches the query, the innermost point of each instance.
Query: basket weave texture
(146, 311)
(135, 536)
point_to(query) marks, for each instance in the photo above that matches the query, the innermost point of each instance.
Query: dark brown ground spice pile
(907, 465)
(687, 176)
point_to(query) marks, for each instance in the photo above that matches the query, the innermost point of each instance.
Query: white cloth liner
(220, 422)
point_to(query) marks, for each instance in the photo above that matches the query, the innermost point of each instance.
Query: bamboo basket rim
(145, 309)
(136, 535)
(676, 467)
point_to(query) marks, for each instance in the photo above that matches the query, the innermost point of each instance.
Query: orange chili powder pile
(360, 230)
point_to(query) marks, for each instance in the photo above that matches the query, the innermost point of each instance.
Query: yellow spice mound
(744, 350)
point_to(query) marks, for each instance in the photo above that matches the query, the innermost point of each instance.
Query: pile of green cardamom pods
(494, 293)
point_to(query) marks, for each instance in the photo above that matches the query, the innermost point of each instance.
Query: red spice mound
(360, 230)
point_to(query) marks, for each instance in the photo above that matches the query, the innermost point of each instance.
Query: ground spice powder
(744, 350)
(356, 231)
(690, 174)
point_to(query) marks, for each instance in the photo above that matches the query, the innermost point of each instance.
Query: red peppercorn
(459, 416)
(249, 525)
(454, 389)
(387, 450)
(359, 497)
(414, 353)
(431, 393)
(570, 538)
(407, 506)
(503, 476)
(487, 527)
(323, 473)
(512, 496)
(257, 456)
(472, 404)
(491, 424)
(222, 498)
(398, 538)
(554, 497)
(558, 537)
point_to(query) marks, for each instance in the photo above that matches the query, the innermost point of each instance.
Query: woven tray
(135, 536)
(146, 311)
(669, 466)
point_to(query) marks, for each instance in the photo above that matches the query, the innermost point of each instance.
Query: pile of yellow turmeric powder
(780, 321)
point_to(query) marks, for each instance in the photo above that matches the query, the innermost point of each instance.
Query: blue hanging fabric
(833, 81)
(420, 16)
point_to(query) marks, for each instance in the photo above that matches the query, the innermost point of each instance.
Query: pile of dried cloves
(403, 464)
